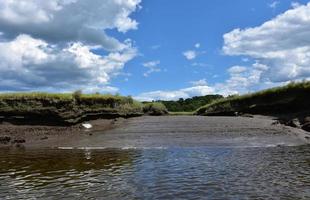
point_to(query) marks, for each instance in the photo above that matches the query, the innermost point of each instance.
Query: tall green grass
(295, 94)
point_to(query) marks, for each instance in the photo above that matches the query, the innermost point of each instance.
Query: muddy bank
(12, 135)
(159, 132)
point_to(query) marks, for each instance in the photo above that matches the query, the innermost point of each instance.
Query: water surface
(171, 173)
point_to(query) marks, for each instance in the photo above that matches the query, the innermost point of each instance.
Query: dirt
(42, 136)
(157, 132)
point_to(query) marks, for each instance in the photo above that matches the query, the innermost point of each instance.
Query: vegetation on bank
(190, 104)
(66, 108)
(181, 113)
(294, 97)
(155, 108)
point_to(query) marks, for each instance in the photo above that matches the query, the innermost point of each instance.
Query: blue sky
(153, 49)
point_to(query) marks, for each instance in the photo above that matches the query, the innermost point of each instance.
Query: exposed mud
(157, 132)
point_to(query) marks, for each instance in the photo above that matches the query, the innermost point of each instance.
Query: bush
(77, 94)
(155, 108)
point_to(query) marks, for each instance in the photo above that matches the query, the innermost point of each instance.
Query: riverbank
(158, 132)
(38, 136)
(289, 104)
(65, 109)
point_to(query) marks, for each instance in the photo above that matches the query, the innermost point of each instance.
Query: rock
(306, 126)
(44, 138)
(5, 140)
(87, 125)
(247, 115)
(293, 123)
(275, 123)
(307, 120)
(19, 141)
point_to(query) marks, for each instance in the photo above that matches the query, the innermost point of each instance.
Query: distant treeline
(191, 104)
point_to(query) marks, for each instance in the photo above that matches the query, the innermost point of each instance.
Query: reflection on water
(189, 173)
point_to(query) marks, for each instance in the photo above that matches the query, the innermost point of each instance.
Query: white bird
(87, 125)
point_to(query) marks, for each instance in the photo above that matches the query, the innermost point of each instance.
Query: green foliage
(290, 98)
(155, 108)
(191, 104)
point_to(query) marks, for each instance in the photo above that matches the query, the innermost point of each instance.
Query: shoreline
(41, 136)
(104, 131)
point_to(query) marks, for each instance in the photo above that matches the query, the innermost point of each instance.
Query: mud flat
(159, 132)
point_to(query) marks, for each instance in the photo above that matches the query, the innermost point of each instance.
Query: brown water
(171, 173)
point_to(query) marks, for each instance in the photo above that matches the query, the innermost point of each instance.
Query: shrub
(77, 94)
(155, 108)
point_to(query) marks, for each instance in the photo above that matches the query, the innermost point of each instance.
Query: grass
(67, 107)
(293, 97)
(181, 113)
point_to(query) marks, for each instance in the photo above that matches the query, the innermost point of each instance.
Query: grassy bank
(181, 113)
(46, 108)
(155, 108)
(292, 98)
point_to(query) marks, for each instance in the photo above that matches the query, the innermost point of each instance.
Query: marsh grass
(289, 98)
(67, 106)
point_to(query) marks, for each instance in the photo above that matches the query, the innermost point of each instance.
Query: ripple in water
(177, 173)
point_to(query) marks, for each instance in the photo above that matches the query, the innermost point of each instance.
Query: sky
(153, 49)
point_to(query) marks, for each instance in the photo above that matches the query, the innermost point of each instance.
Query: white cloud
(68, 20)
(190, 55)
(281, 51)
(152, 67)
(295, 4)
(274, 4)
(27, 64)
(281, 45)
(49, 45)
(176, 94)
(237, 69)
(201, 82)
(241, 80)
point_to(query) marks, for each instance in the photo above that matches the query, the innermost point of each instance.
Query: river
(165, 158)
(172, 173)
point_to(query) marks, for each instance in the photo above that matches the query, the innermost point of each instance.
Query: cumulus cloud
(280, 49)
(152, 67)
(190, 55)
(68, 20)
(176, 94)
(281, 45)
(274, 4)
(50, 45)
(201, 82)
(241, 80)
(237, 69)
(27, 63)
